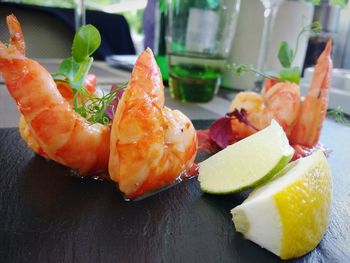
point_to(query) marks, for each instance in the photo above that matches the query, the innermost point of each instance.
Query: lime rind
(247, 163)
(275, 170)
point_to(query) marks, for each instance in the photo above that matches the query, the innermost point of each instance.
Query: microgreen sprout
(73, 70)
(239, 69)
(339, 115)
(286, 56)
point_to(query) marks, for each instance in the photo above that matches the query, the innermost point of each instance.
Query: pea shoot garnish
(286, 56)
(338, 115)
(73, 71)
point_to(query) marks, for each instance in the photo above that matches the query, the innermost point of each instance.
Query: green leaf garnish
(69, 68)
(74, 70)
(95, 108)
(338, 115)
(290, 74)
(239, 69)
(316, 27)
(86, 42)
(285, 55)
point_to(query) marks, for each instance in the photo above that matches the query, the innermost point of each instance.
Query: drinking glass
(270, 10)
(199, 37)
(79, 14)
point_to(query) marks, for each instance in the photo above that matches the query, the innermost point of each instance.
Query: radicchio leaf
(205, 143)
(112, 107)
(221, 132)
(242, 116)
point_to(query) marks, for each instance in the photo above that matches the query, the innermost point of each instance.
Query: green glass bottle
(159, 41)
(199, 39)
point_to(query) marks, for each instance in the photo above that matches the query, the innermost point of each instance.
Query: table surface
(48, 216)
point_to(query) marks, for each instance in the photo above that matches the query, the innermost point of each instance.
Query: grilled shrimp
(301, 119)
(314, 108)
(281, 102)
(67, 93)
(61, 133)
(150, 144)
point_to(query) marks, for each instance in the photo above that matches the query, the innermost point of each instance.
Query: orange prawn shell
(51, 121)
(144, 156)
(301, 119)
(280, 102)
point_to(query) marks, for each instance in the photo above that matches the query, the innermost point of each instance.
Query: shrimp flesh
(62, 134)
(301, 119)
(150, 144)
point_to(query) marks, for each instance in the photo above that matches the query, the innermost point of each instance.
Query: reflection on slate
(48, 216)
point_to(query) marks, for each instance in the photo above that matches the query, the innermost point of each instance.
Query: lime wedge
(246, 163)
(289, 215)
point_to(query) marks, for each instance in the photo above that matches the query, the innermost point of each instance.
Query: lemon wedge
(246, 163)
(289, 215)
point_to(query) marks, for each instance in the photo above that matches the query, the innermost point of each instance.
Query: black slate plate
(47, 216)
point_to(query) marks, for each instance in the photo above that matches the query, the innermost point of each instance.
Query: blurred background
(127, 27)
(142, 17)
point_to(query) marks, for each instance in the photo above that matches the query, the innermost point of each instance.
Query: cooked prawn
(150, 144)
(314, 108)
(67, 93)
(301, 120)
(281, 102)
(62, 134)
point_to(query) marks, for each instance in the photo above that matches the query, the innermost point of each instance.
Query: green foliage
(95, 108)
(85, 43)
(314, 2)
(290, 74)
(75, 68)
(316, 27)
(285, 55)
(239, 69)
(341, 3)
(69, 68)
(339, 115)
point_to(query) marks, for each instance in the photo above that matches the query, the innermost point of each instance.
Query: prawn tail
(16, 47)
(314, 108)
(16, 36)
